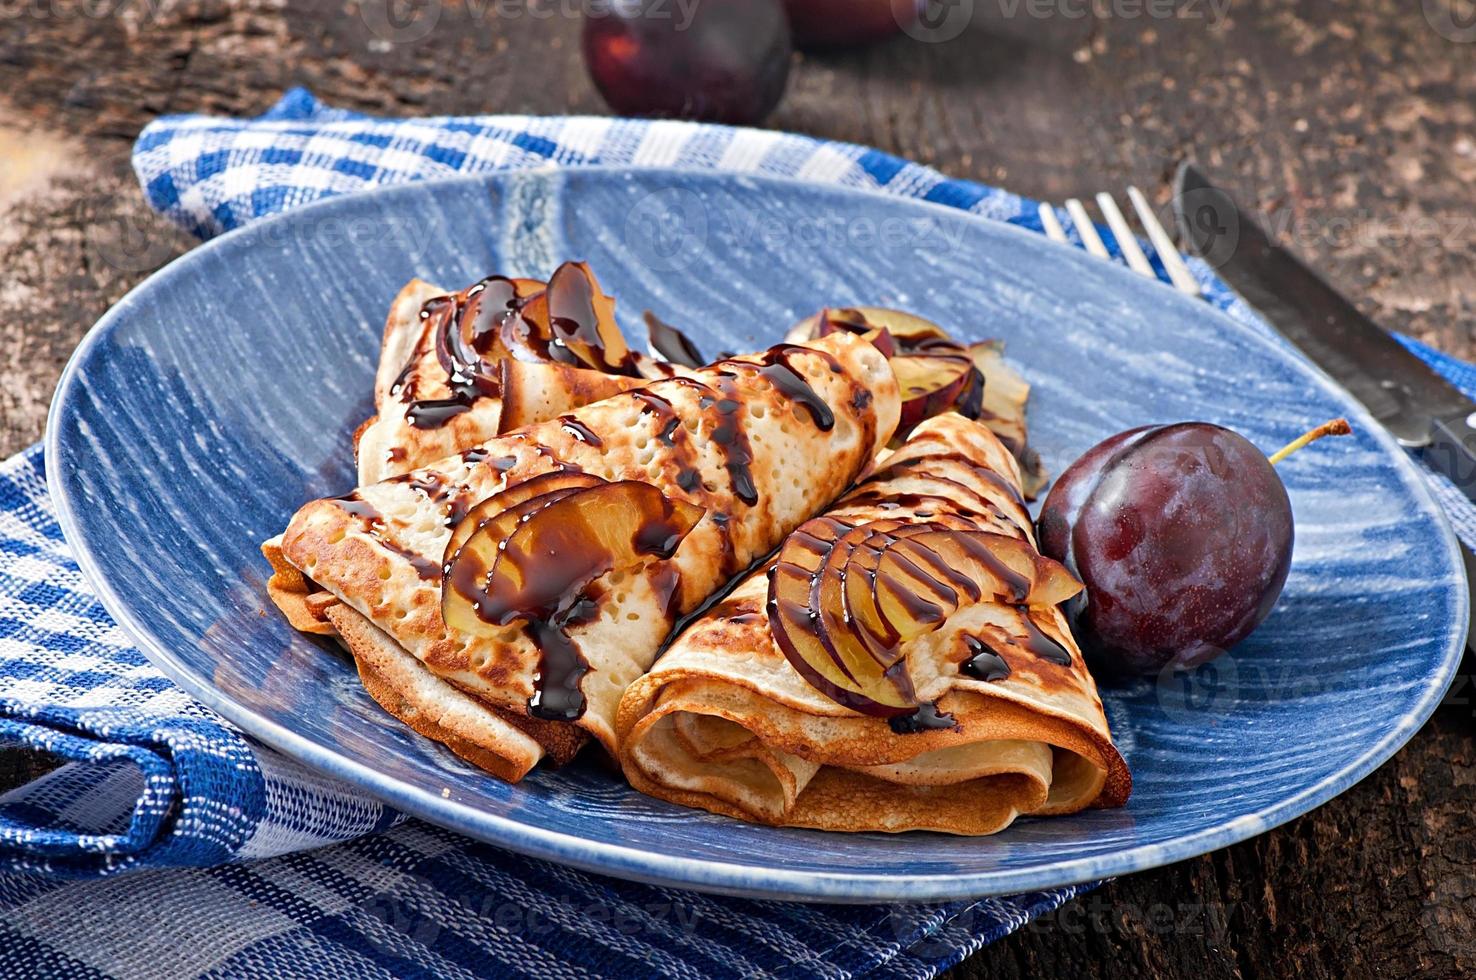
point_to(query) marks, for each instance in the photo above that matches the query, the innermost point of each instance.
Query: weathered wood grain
(1349, 124)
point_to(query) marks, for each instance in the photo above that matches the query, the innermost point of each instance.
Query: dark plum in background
(714, 60)
(1182, 535)
(821, 24)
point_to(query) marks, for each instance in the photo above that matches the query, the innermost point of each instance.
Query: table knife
(1422, 410)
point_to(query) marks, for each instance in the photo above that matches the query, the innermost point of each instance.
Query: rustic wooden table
(1349, 124)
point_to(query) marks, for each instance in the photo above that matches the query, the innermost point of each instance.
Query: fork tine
(1173, 263)
(1051, 224)
(1088, 231)
(1126, 240)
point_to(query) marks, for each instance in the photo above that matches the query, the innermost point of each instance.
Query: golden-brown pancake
(404, 435)
(759, 443)
(726, 723)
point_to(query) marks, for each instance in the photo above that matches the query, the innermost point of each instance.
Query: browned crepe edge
(320, 612)
(528, 398)
(291, 592)
(974, 808)
(386, 370)
(364, 427)
(876, 744)
(375, 654)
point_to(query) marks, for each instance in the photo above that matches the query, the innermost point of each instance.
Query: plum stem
(1337, 427)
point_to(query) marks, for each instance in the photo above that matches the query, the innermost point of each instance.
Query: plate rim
(707, 874)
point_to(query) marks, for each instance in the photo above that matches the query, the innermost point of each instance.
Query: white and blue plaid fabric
(224, 836)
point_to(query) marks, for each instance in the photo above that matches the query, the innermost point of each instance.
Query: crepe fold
(759, 443)
(425, 409)
(725, 723)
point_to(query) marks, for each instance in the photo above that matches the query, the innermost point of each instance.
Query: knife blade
(1422, 410)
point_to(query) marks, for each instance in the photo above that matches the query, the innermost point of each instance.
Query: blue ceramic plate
(222, 393)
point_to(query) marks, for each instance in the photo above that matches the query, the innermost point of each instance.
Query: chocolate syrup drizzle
(574, 322)
(464, 325)
(913, 503)
(453, 500)
(984, 662)
(478, 455)
(984, 473)
(987, 663)
(740, 611)
(927, 717)
(552, 595)
(671, 343)
(689, 478)
(580, 431)
(729, 434)
(374, 525)
(775, 368)
(1039, 643)
(902, 466)
(665, 412)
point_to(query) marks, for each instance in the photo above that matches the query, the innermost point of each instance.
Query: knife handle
(1452, 450)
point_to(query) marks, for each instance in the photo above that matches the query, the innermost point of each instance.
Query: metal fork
(1127, 241)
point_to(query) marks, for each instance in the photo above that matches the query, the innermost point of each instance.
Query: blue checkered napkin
(158, 780)
(161, 785)
(420, 901)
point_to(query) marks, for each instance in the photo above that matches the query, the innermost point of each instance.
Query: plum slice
(905, 330)
(934, 372)
(532, 563)
(853, 660)
(583, 318)
(509, 497)
(844, 601)
(571, 322)
(472, 325)
(931, 588)
(923, 579)
(850, 320)
(931, 384)
(671, 343)
(543, 567)
(467, 570)
(855, 647)
(858, 576)
(794, 621)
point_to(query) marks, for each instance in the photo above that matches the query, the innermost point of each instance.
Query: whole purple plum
(1182, 535)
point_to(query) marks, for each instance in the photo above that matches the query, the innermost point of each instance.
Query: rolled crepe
(428, 408)
(723, 722)
(759, 443)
